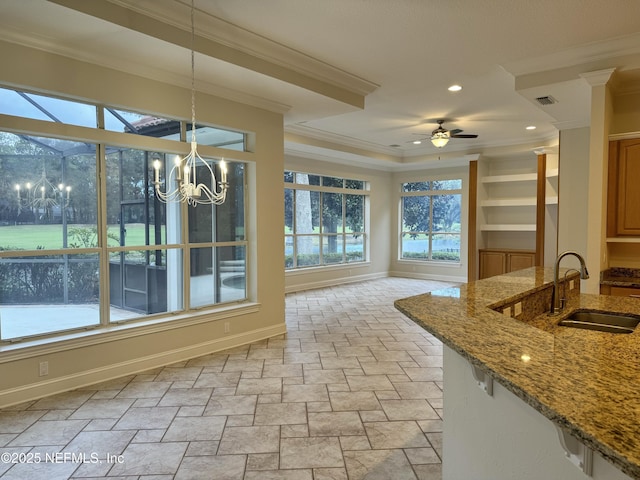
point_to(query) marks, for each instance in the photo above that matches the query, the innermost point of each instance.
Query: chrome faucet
(556, 304)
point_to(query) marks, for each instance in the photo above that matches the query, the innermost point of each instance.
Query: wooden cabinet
(498, 261)
(620, 291)
(623, 205)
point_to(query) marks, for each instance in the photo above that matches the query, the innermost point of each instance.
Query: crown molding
(224, 41)
(140, 69)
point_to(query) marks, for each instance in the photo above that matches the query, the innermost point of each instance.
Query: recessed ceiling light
(531, 127)
(455, 88)
(417, 142)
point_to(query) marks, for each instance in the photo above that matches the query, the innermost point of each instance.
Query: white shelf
(552, 172)
(509, 202)
(509, 227)
(623, 239)
(551, 200)
(519, 177)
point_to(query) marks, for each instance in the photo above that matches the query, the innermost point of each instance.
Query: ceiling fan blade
(455, 131)
(464, 136)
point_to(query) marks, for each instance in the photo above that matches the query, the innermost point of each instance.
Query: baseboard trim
(85, 378)
(300, 287)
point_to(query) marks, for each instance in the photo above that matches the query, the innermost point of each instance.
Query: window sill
(429, 263)
(79, 339)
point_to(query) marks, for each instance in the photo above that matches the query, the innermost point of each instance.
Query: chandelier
(42, 195)
(184, 171)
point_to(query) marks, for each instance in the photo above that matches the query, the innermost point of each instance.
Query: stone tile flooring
(352, 391)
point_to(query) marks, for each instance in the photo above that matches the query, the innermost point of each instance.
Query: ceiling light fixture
(440, 139)
(531, 127)
(184, 171)
(455, 88)
(417, 142)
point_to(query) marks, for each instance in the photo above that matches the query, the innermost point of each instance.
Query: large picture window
(85, 242)
(430, 215)
(324, 220)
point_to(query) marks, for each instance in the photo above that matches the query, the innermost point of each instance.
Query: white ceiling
(357, 79)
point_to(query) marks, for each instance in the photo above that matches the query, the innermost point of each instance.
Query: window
(85, 243)
(430, 213)
(324, 220)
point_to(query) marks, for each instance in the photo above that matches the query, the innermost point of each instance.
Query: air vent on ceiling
(546, 100)
(395, 145)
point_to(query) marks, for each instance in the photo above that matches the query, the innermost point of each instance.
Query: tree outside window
(324, 220)
(431, 224)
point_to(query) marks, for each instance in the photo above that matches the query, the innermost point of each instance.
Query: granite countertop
(621, 277)
(585, 381)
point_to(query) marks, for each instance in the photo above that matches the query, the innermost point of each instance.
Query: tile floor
(352, 391)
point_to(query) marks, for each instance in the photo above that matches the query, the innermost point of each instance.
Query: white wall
(90, 358)
(573, 190)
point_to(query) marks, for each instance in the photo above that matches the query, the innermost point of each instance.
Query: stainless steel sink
(601, 321)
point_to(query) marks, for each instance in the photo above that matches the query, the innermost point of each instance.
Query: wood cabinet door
(518, 261)
(492, 264)
(628, 195)
(625, 292)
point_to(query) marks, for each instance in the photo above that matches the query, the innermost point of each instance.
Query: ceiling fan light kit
(440, 139)
(440, 136)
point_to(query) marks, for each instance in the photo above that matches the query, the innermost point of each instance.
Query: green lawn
(31, 237)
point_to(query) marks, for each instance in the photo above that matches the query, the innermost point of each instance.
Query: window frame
(103, 138)
(430, 232)
(291, 238)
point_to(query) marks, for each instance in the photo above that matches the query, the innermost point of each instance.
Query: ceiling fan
(441, 136)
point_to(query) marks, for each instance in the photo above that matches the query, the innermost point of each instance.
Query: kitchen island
(578, 386)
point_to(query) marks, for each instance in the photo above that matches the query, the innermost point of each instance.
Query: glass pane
(446, 213)
(332, 182)
(141, 124)
(332, 213)
(48, 293)
(50, 185)
(134, 215)
(355, 184)
(288, 251)
(307, 209)
(415, 186)
(332, 249)
(288, 210)
(288, 177)
(217, 137)
(40, 107)
(445, 247)
(230, 215)
(217, 275)
(354, 213)
(307, 250)
(355, 248)
(415, 214)
(447, 184)
(415, 246)
(306, 179)
(144, 282)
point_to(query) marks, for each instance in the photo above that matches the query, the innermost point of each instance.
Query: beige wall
(88, 358)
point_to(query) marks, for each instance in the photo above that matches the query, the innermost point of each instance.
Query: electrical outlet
(43, 370)
(572, 284)
(227, 327)
(517, 309)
